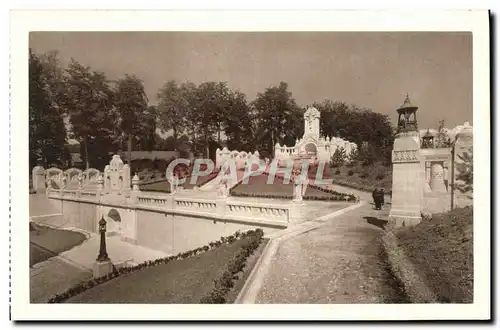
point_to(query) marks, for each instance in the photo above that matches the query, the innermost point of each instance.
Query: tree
(47, 133)
(465, 170)
(89, 103)
(273, 108)
(294, 126)
(238, 123)
(357, 125)
(442, 140)
(339, 157)
(209, 106)
(173, 107)
(131, 103)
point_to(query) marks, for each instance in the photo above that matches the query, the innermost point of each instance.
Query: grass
(365, 178)
(258, 185)
(183, 281)
(47, 242)
(441, 249)
(164, 185)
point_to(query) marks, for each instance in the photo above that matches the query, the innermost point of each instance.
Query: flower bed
(249, 237)
(257, 187)
(338, 197)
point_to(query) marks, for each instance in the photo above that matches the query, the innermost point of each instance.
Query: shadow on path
(376, 222)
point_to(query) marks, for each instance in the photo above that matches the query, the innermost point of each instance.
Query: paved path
(336, 261)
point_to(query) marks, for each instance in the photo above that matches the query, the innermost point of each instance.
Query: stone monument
(38, 177)
(407, 173)
(117, 176)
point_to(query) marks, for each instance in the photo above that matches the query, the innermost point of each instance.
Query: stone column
(407, 178)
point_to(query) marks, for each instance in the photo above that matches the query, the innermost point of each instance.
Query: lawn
(257, 185)
(164, 185)
(365, 178)
(441, 249)
(47, 242)
(183, 281)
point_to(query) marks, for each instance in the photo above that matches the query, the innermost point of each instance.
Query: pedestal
(407, 182)
(102, 268)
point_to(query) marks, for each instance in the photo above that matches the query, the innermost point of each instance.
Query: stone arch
(311, 149)
(114, 221)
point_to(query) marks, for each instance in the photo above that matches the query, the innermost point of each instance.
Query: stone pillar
(38, 178)
(407, 178)
(437, 178)
(427, 187)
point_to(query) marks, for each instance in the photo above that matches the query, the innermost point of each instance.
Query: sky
(369, 69)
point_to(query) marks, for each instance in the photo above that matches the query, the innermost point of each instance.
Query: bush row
(226, 280)
(212, 176)
(339, 197)
(81, 287)
(359, 186)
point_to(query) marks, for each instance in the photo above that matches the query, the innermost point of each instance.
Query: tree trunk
(207, 148)
(175, 138)
(129, 150)
(86, 152)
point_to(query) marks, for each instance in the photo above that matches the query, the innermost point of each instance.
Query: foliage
(339, 157)
(357, 125)
(442, 140)
(47, 133)
(132, 106)
(173, 107)
(81, 287)
(273, 109)
(225, 282)
(89, 104)
(465, 171)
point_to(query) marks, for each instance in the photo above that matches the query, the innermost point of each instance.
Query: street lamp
(103, 254)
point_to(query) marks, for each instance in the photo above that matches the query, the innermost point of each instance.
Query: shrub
(225, 282)
(350, 172)
(337, 172)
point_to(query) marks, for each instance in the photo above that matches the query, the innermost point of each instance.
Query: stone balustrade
(220, 209)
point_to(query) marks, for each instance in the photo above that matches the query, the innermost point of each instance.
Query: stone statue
(80, 180)
(224, 188)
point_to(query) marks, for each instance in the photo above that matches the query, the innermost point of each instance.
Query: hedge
(81, 287)
(338, 197)
(225, 282)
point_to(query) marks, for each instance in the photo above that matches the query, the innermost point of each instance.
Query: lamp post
(103, 254)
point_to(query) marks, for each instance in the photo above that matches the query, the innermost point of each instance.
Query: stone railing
(259, 211)
(195, 204)
(153, 200)
(217, 209)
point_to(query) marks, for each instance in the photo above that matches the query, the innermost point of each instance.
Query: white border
(415, 20)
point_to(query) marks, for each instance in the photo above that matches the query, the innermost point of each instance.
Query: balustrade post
(220, 208)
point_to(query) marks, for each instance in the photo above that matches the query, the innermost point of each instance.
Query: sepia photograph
(252, 167)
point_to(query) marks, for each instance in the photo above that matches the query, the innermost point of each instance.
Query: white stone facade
(312, 145)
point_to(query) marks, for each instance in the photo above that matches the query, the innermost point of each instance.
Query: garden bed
(364, 178)
(258, 187)
(440, 252)
(206, 275)
(163, 185)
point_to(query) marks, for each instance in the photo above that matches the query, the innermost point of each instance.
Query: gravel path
(338, 262)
